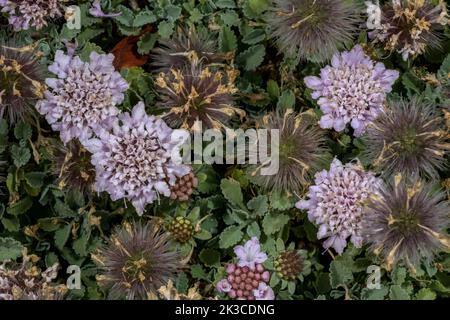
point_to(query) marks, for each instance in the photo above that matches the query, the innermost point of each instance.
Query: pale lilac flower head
(336, 203)
(351, 90)
(132, 158)
(264, 292)
(96, 11)
(250, 254)
(83, 95)
(223, 286)
(24, 14)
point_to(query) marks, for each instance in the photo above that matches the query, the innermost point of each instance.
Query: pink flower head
(250, 254)
(351, 91)
(264, 292)
(223, 286)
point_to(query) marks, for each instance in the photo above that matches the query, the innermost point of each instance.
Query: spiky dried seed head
(137, 260)
(176, 52)
(301, 151)
(407, 222)
(313, 29)
(409, 27)
(21, 81)
(409, 137)
(195, 94)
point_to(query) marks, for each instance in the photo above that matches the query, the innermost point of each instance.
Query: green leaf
(426, 294)
(274, 222)
(340, 273)
(88, 48)
(230, 236)
(10, 249)
(35, 179)
(143, 18)
(80, 245)
(127, 16)
(20, 207)
(11, 224)
(398, 275)
(173, 12)
(209, 257)
(165, 29)
(258, 6)
(146, 43)
(197, 272)
(252, 57)
(254, 36)
(20, 155)
(259, 205)
(231, 190)
(230, 18)
(273, 89)
(286, 100)
(22, 131)
(62, 235)
(374, 294)
(253, 230)
(225, 4)
(227, 40)
(398, 293)
(281, 201)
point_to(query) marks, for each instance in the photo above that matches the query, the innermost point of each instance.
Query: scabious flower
(26, 281)
(25, 14)
(197, 93)
(71, 163)
(21, 81)
(351, 90)
(407, 221)
(247, 279)
(408, 137)
(96, 11)
(313, 29)
(185, 45)
(409, 27)
(289, 265)
(83, 95)
(250, 254)
(264, 292)
(136, 261)
(301, 151)
(132, 158)
(336, 203)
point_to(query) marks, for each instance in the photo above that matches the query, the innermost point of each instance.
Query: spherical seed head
(21, 81)
(197, 93)
(25, 14)
(407, 222)
(245, 283)
(136, 261)
(72, 165)
(132, 156)
(313, 29)
(352, 90)
(289, 265)
(184, 187)
(410, 27)
(337, 203)
(181, 229)
(409, 137)
(301, 149)
(84, 94)
(176, 52)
